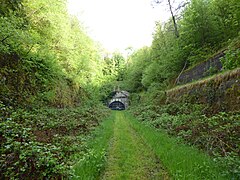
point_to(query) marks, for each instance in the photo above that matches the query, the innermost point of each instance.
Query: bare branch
(181, 5)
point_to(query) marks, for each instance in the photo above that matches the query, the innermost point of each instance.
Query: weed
(182, 161)
(44, 143)
(217, 135)
(92, 163)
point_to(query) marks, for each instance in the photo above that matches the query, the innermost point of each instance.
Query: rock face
(202, 70)
(220, 93)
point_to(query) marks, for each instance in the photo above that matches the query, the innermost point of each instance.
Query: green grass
(181, 161)
(92, 163)
(129, 157)
(124, 148)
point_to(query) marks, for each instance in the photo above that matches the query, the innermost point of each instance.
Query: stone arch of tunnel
(117, 105)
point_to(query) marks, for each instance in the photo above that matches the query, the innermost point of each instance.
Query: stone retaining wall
(204, 69)
(219, 93)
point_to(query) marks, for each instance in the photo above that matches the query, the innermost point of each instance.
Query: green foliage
(226, 17)
(10, 6)
(204, 28)
(114, 67)
(181, 161)
(42, 48)
(22, 156)
(93, 161)
(46, 58)
(129, 157)
(44, 143)
(231, 60)
(197, 26)
(137, 62)
(216, 135)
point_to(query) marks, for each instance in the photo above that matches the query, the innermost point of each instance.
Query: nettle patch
(44, 143)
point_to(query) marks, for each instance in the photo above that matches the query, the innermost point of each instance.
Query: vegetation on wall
(44, 143)
(47, 64)
(216, 135)
(204, 28)
(203, 113)
(54, 77)
(45, 54)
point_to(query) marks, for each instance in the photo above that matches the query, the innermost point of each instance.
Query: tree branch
(176, 81)
(2, 41)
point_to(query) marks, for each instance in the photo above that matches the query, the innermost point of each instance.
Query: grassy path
(129, 157)
(124, 148)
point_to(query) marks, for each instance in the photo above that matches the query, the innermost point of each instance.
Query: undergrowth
(92, 163)
(217, 135)
(44, 143)
(181, 161)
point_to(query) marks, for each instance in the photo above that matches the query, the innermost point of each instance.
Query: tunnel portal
(119, 101)
(117, 105)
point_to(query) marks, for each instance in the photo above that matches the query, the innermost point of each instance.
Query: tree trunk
(174, 20)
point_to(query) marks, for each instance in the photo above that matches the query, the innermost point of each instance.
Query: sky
(118, 24)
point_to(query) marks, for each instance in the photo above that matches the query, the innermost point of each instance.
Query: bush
(216, 135)
(231, 60)
(44, 143)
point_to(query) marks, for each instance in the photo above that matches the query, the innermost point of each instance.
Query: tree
(9, 6)
(173, 19)
(227, 18)
(173, 15)
(45, 53)
(138, 61)
(114, 65)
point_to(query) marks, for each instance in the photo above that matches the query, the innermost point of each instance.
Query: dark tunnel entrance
(117, 105)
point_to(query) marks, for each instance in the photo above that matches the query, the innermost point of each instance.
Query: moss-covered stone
(220, 93)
